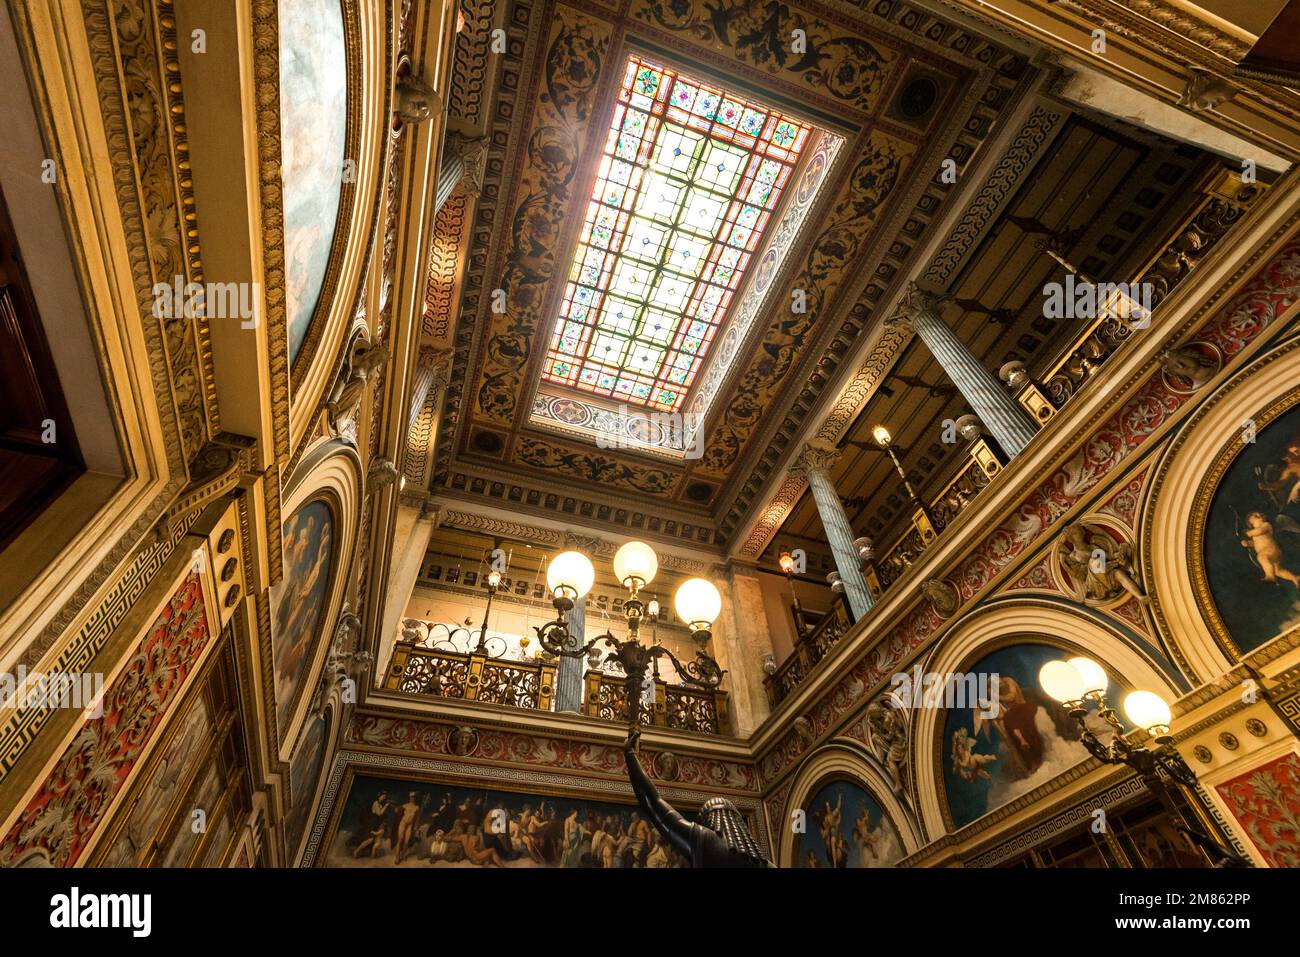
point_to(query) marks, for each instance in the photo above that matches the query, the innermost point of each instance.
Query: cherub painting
(969, 765)
(1007, 743)
(1260, 536)
(1252, 536)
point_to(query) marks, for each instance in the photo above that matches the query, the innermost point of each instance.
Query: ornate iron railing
(809, 649)
(449, 662)
(955, 498)
(473, 677)
(703, 710)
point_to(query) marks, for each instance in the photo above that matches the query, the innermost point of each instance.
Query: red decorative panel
(72, 802)
(536, 750)
(1266, 802)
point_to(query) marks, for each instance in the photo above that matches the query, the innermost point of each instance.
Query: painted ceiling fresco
(903, 90)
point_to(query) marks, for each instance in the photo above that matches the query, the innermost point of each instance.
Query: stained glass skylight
(688, 181)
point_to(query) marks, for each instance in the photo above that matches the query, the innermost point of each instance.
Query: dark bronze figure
(724, 842)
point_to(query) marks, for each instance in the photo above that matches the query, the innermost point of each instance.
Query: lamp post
(493, 583)
(886, 442)
(1078, 681)
(787, 566)
(571, 575)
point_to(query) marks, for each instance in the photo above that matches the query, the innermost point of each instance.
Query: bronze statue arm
(674, 828)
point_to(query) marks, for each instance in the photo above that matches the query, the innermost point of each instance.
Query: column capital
(436, 361)
(917, 300)
(817, 456)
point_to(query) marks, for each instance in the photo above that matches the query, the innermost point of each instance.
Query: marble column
(1001, 414)
(449, 176)
(813, 465)
(568, 673)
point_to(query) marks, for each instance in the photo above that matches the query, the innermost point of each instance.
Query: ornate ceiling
(903, 88)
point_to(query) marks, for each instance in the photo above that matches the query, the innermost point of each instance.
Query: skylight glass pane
(687, 184)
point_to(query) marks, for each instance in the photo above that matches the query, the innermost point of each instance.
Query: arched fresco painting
(997, 748)
(299, 600)
(313, 131)
(846, 828)
(1252, 536)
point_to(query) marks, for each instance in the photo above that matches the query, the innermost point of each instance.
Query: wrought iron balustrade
(1224, 200)
(809, 649)
(689, 709)
(473, 677)
(431, 660)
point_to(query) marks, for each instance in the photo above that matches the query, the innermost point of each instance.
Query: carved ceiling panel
(904, 89)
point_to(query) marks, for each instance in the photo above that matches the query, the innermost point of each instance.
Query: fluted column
(1001, 414)
(462, 160)
(568, 673)
(431, 371)
(813, 465)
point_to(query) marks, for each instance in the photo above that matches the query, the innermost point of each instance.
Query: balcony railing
(427, 663)
(809, 649)
(689, 709)
(473, 677)
(1223, 201)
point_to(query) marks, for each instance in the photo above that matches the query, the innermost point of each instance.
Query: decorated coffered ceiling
(893, 89)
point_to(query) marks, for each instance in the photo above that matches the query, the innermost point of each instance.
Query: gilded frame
(1205, 493)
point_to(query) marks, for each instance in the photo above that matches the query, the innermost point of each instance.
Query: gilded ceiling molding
(918, 32)
(1172, 30)
(266, 65)
(153, 196)
(568, 503)
(154, 111)
(470, 83)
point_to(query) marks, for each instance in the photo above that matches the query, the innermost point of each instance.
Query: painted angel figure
(1261, 536)
(969, 765)
(1102, 566)
(1287, 476)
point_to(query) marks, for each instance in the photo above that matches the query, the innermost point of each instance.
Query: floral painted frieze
(61, 818)
(536, 750)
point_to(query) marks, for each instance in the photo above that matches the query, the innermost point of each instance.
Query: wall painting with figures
(1017, 738)
(1251, 544)
(846, 828)
(300, 599)
(389, 822)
